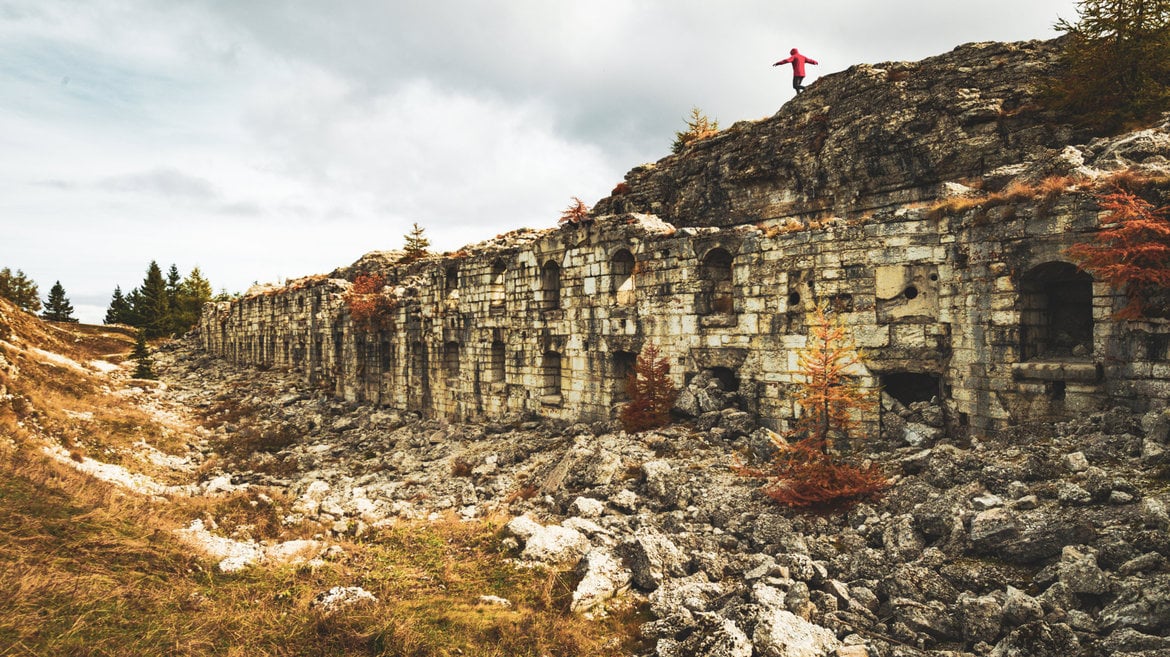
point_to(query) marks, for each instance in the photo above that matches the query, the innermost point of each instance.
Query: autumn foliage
(651, 390)
(804, 474)
(1131, 252)
(699, 126)
(576, 213)
(369, 307)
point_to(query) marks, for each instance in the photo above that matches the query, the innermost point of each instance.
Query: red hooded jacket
(797, 60)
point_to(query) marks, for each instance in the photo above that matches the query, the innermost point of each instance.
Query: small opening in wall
(728, 381)
(623, 366)
(552, 373)
(910, 387)
(910, 292)
(1055, 390)
(934, 277)
(794, 299)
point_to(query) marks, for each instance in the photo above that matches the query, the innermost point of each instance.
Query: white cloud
(262, 140)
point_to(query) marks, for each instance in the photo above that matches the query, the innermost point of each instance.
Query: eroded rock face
(952, 117)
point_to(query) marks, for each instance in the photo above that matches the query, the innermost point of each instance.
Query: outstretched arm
(783, 61)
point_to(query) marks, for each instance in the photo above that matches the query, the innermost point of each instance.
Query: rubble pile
(1037, 541)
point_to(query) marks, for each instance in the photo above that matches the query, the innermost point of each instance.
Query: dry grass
(88, 570)
(1044, 194)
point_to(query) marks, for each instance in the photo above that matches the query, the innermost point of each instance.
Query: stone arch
(1056, 311)
(497, 292)
(451, 360)
(621, 268)
(451, 282)
(497, 362)
(550, 286)
(717, 293)
(621, 366)
(553, 375)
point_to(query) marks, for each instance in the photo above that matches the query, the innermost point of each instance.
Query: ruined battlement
(718, 254)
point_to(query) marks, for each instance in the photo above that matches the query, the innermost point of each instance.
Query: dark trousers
(796, 80)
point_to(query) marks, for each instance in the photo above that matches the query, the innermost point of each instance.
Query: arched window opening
(497, 362)
(622, 367)
(550, 285)
(1056, 312)
(552, 374)
(718, 294)
(727, 378)
(622, 272)
(451, 361)
(497, 292)
(451, 282)
(910, 387)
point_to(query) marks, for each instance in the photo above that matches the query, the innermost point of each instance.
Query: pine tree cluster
(20, 290)
(1116, 63)
(161, 306)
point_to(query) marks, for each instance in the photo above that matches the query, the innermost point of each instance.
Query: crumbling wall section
(550, 324)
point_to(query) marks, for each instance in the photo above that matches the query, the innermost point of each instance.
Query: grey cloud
(165, 182)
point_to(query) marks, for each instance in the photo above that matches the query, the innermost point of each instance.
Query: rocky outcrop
(869, 137)
(1042, 541)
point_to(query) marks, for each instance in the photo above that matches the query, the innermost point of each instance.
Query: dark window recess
(1055, 390)
(728, 380)
(499, 268)
(622, 367)
(718, 294)
(451, 359)
(498, 358)
(622, 271)
(910, 387)
(1056, 312)
(552, 373)
(550, 285)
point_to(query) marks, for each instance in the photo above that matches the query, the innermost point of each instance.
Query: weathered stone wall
(979, 308)
(938, 306)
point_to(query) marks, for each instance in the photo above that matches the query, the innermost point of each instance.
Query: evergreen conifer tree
(194, 291)
(173, 322)
(151, 310)
(416, 244)
(57, 306)
(119, 311)
(1117, 63)
(19, 289)
(141, 354)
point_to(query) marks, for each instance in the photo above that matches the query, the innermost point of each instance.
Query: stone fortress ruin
(844, 198)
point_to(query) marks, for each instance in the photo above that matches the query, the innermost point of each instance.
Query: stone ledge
(1055, 370)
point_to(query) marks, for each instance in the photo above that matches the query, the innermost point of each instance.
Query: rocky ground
(1032, 542)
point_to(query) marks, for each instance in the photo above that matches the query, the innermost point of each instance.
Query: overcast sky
(269, 139)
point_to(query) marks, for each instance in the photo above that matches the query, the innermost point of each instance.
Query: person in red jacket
(798, 61)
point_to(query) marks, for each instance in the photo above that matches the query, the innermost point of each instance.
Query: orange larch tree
(804, 474)
(1131, 252)
(651, 390)
(369, 306)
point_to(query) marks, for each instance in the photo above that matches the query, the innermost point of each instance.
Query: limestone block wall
(980, 310)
